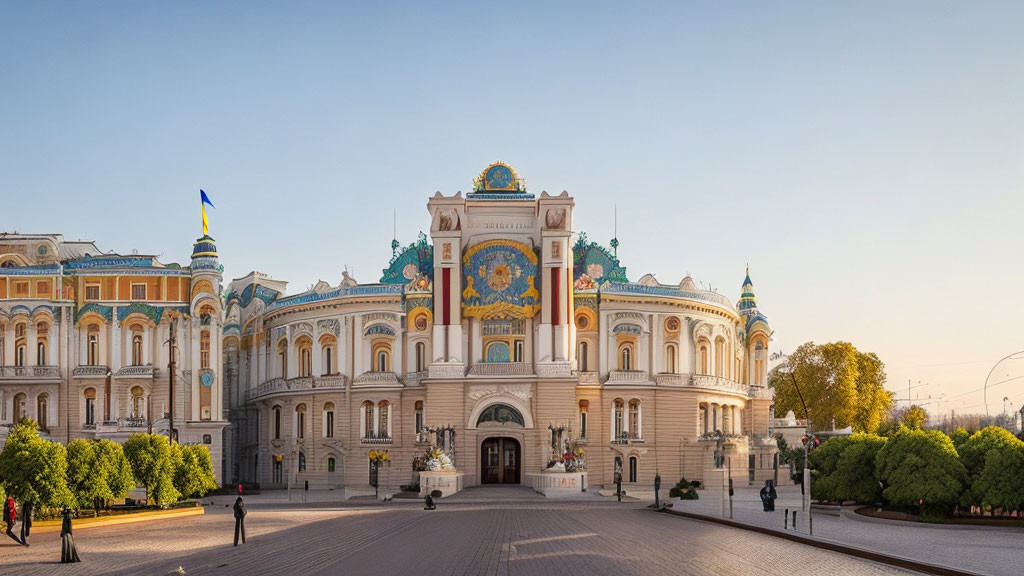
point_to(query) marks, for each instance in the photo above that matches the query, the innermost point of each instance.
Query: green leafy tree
(839, 384)
(33, 469)
(824, 462)
(98, 471)
(959, 436)
(194, 473)
(1001, 482)
(856, 476)
(973, 453)
(921, 468)
(153, 464)
(914, 418)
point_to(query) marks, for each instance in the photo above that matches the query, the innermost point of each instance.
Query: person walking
(26, 521)
(68, 552)
(10, 517)
(239, 519)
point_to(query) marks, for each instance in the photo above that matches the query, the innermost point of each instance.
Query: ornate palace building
(501, 330)
(84, 341)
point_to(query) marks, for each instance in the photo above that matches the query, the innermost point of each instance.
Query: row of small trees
(87, 473)
(923, 468)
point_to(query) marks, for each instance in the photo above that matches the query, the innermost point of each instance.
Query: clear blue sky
(866, 158)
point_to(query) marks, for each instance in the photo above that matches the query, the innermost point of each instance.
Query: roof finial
(394, 233)
(615, 237)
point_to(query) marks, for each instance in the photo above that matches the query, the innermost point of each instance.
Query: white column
(611, 424)
(217, 364)
(83, 346)
(31, 350)
(605, 343)
(658, 362)
(147, 340)
(7, 358)
(293, 365)
(640, 420)
(54, 343)
(116, 343)
(317, 357)
(476, 340)
(396, 356)
(193, 366)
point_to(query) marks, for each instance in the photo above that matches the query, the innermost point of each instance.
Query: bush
(193, 475)
(1000, 484)
(921, 468)
(824, 461)
(959, 436)
(856, 476)
(33, 469)
(973, 454)
(153, 465)
(684, 490)
(98, 471)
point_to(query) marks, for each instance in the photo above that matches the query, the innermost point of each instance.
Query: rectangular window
(43, 289)
(517, 354)
(92, 291)
(138, 291)
(21, 288)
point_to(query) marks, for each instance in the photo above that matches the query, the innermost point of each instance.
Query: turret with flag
(205, 200)
(204, 247)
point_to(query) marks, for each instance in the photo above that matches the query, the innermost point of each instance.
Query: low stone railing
(501, 369)
(376, 379)
(589, 378)
(672, 379)
(277, 385)
(717, 383)
(627, 377)
(136, 371)
(90, 371)
(30, 372)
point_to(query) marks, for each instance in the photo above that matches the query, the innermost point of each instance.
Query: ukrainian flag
(206, 200)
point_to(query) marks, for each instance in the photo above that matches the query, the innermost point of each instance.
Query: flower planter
(559, 484)
(447, 481)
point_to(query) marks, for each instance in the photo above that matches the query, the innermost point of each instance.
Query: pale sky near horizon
(866, 158)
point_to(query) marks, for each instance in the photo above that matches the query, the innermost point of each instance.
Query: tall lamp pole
(1014, 356)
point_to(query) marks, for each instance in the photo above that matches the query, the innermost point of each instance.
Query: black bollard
(786, 523)
(794, 519)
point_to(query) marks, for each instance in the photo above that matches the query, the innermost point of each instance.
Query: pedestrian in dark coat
(239, 519)
(26, 521)
(68, 552)
(768, 496)
(10, 517)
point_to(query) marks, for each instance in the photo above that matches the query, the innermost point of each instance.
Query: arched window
(329, 420)
(704, 358)
(20, 346)
(719, 357)
(367, 419)
(93, 353)
(204, 349)
(584, 409)
(670, 358)
(42, 411)
(19, 407)
(384, 426)
(383, 360)
(300, 421)
(282, 355)
(626, 357)
(328, 359)
(381, 357)
(302, 462)
(277, 422)
(304, 347)
(581, 356)
(421, 356)
(634, 419)
(137, 349)
(632, 468)
(90, 406)
(138, 406)
(618, 419)
(758, 364)
(418, 416)
(330, 464)
(41, 353)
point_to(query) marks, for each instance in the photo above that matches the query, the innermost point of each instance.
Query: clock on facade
(499, 178)
(206, 379)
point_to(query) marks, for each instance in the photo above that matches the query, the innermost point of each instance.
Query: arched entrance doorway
(500, 461)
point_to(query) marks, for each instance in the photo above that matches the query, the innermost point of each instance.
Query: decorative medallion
(206, 378)
(672, 324)
(500, 280)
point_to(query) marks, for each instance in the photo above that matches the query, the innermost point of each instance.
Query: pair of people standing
(11, 517)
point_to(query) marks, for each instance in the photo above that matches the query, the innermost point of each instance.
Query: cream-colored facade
(501, 325)
(84, 341)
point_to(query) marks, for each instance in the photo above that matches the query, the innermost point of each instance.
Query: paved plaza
(480, 531)
(994, 551)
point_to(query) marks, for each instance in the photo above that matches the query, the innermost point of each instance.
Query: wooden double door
(500, 461)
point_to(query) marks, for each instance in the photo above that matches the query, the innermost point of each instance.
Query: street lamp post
(1014, 356)
(805, 486)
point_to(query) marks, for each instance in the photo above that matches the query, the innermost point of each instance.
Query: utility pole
(172, 341)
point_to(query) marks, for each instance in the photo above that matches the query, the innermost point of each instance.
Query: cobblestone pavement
(995, 551)
(505, 531)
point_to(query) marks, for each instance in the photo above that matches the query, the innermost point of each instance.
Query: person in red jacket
(10, 517)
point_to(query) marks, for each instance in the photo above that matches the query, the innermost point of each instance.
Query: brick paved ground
(983, 550)
(505, 531)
